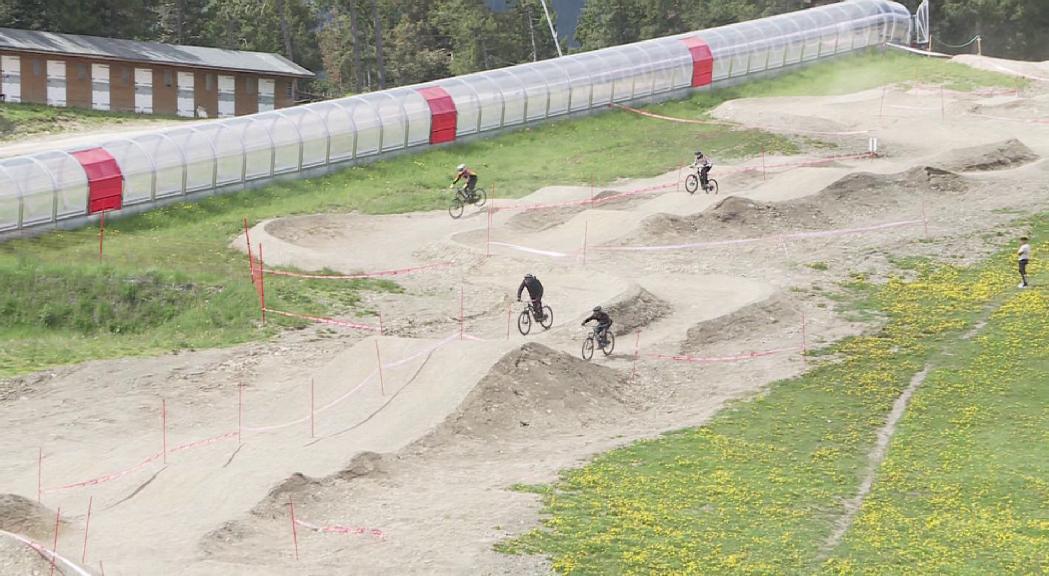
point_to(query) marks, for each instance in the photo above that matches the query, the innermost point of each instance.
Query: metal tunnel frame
(50, 189)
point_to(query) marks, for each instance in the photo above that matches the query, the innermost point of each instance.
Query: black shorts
(1023, 266)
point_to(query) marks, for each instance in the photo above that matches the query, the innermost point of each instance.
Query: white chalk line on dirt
(46, 553)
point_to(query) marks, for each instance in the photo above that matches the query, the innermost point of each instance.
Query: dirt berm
(535, 390)
(857, 198)
(997, 156)
(543, 219)
(26, 517)
(738, 326)
(635, 308)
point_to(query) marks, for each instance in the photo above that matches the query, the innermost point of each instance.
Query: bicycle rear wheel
(524, 323)
(691, 183)
(712, 186)
(455, 210)
(610, 345)
(588, 348)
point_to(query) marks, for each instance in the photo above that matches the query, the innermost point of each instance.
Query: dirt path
(420, 458)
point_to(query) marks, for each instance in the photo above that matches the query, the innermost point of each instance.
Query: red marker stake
(763, 164)
(881, 111)
(54, 547)
(262, 286)
(40, 474)
(462, 317)
(313, 414)
(381, 330)
(488, 234)
(87, 526)
(240, 411)
(101, 233)
(164, 426)
(294, 531)
(382, 384)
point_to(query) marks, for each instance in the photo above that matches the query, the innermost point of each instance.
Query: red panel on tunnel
(702, 61)
(443, 115)
(104, 180)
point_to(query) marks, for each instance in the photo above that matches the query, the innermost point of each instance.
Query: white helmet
(460, 168)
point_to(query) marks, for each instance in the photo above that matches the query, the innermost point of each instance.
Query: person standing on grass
(1023, 254)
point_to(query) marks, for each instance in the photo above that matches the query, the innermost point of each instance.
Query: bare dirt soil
(408, 469)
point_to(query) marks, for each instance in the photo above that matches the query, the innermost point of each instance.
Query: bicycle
(461, 199)
(692, 184)
(527, 317)
(591, 340)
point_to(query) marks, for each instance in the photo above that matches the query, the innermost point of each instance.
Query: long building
(143, 77)
(68, 188)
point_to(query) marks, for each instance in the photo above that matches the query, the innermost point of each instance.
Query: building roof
(149, 52)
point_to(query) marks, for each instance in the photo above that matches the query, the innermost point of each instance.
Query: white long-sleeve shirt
(1024, 253)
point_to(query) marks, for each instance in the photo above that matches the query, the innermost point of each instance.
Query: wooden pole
(586, 233)
(101, 233)
(382, 383)
(262, 286)
(54, 547)
(294, 530)
(87, 526)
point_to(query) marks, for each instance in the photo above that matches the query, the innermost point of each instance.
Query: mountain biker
(604, 321)
(704, 165)
(464, 173)
(535, 292)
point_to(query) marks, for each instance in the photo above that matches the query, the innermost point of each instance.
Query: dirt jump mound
(17, 558)
(546, 218)
(997, 156)
(732, 217)
(296, 487)
(538, 390)
(774, 316)
(26, 517)
(636, 308)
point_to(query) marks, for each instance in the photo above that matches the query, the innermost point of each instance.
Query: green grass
(758, 489)
(189, 241)
(21, 120)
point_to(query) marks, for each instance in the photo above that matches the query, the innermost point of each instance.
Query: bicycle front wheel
(588, 348)
(482, 197)
(455, 210)
(548, 318)
(524, 323)
(691, 183)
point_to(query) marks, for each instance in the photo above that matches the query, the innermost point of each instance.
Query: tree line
(362, 45)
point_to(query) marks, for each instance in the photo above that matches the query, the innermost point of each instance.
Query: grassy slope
(187, 244)
(964, 489)
(22, 120)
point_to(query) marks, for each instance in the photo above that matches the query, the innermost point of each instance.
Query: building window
(167, 78)
(209, 82)
(251, 85)
(36, 67)
(81, 71)
(287, 89)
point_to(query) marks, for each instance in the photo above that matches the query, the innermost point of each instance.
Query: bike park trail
(218, 505)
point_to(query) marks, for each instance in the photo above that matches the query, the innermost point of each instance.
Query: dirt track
(422, 462)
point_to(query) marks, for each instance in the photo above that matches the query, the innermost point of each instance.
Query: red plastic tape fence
(702, 61)
(443, 115)
(104, 179)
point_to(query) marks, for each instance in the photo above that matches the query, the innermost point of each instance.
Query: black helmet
(597, 308)
(529, 275)
(699, 152)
